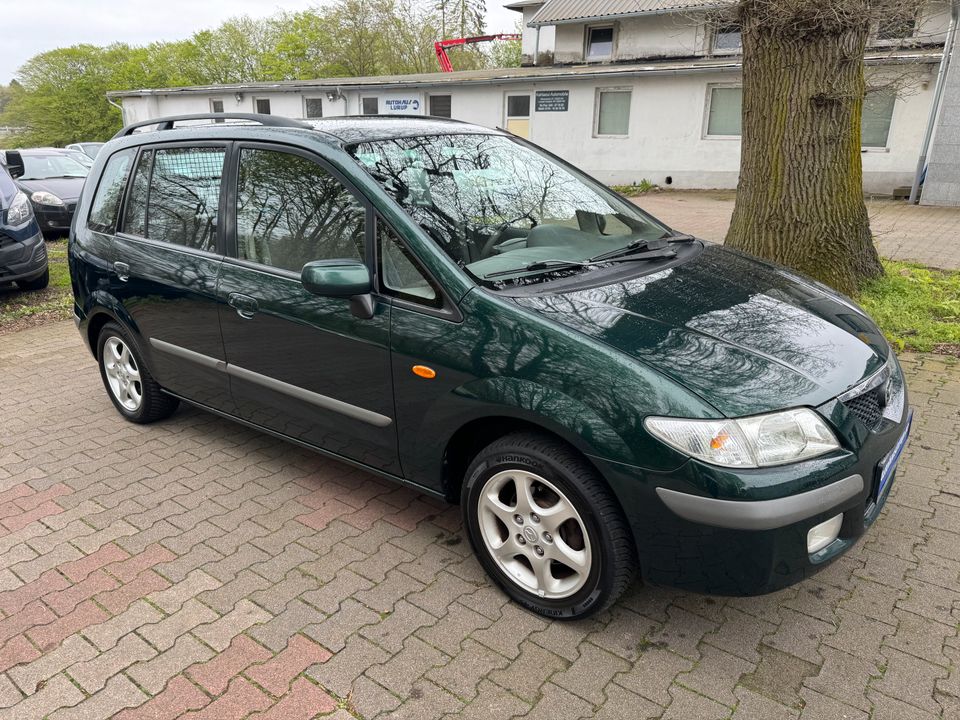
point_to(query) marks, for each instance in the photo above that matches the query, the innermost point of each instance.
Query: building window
(440, 105)
(518, 115)
(727, 38)
(897, 26)
(312, 107)
(724, 111)
(370, 106)
(613, 112)
(216, 106)
(876, 117)
(599, 43)
(262, 106)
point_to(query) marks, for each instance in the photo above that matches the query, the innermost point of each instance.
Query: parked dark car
(52, 180)
(90, 149)
(457, 310)
(23, 254)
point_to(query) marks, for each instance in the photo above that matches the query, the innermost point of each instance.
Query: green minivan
(457, 310)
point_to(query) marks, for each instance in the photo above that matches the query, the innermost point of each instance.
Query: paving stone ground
(928, 235)
(195, 568)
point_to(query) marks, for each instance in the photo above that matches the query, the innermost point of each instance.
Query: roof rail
(166, 123)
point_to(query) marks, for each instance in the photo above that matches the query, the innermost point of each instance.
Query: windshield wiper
(643, 244)
(551, 265)
(541, 266)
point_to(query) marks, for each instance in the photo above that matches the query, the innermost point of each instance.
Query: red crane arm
(441, 46)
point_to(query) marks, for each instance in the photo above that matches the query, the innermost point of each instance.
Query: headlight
(42, 197)
(756, 441)
(20, 210)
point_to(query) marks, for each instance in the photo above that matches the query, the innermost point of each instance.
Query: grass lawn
(918, 308)
(23, 309)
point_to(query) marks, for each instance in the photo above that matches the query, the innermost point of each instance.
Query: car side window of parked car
(106, 203)
(185, 196)
(135, 215)
(291, 211)
(400, 273)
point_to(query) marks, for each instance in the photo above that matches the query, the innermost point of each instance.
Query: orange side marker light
(424, 371)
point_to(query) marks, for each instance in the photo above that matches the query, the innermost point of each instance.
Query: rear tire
(37, 283)
(546, 527)
(128, 382)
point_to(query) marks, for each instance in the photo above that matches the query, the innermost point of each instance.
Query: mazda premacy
(457, 310)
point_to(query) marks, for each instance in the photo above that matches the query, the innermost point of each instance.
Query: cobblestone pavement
(928, 235)
(198, 568)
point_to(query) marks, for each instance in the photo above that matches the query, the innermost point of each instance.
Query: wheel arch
(105, 308)
(473, 436)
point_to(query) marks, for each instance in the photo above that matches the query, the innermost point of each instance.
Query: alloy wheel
(123, 375)
(534, 533)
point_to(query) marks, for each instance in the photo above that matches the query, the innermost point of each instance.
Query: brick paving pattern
(198, 569)
(928, 235)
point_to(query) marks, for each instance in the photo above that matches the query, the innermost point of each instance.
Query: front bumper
(55, 218)
(704, 542)
(22, 260)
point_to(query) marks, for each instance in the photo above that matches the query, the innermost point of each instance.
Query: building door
(518, 115)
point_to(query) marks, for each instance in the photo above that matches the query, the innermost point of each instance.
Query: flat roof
(496, 76)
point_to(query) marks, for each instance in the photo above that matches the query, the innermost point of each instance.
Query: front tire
(546, 528)
(131, 387)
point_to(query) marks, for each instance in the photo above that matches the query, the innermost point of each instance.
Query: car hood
(67, 189)
(746, 336)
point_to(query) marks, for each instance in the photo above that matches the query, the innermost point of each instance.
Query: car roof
(342, 130)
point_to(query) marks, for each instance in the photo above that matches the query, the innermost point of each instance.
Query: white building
(626, 89)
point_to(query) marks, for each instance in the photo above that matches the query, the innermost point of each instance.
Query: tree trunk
(800, 195)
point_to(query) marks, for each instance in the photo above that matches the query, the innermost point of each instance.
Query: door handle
(122, 270)
(245, 305)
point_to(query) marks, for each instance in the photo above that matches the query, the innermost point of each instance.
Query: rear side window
(135, 215)
(106, 203)
(291, 211)
(185, 197)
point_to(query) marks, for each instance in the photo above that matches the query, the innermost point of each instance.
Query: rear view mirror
(14, 163)
(336, 278)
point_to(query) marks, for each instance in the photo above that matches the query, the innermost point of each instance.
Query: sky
(33, 26)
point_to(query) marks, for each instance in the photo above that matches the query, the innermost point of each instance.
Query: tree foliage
(59, 96)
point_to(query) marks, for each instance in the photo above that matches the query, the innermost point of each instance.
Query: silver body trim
(761, 514)
(184, 354)
(322, 401)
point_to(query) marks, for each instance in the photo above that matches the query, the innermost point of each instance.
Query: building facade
(630, 90)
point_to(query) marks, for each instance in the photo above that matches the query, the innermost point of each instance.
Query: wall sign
(553, 100)
(398, 105)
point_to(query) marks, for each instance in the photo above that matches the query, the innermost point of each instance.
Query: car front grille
(867, 407)
(880, 397)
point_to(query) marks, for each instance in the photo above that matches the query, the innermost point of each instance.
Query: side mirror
(341, 278)
(336, 278)
(14, 163)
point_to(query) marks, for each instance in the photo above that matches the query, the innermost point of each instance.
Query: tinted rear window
(178, 199)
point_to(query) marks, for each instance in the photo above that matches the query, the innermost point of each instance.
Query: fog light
(823, 534)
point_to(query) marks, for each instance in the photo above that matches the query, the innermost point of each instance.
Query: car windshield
(501, 209)
(40, 167)
(91, 149)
